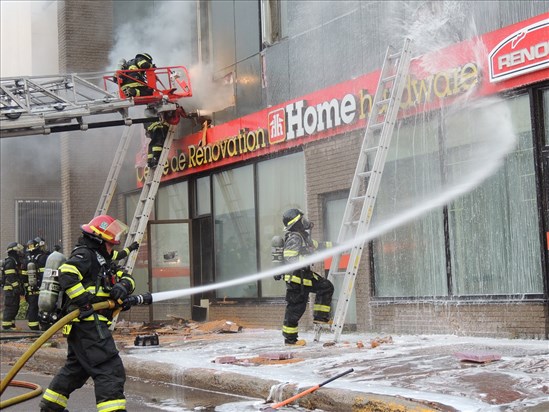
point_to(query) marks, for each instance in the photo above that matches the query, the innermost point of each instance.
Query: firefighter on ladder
(12, 285)
(301, 282)
(86, 278)
(32, 274)
(157, 132)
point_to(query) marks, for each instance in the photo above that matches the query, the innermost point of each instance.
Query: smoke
(167, 30)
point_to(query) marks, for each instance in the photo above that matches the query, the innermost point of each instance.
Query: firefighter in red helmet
(298, 244)
(12, 284)
(86, 278)
(133, 83)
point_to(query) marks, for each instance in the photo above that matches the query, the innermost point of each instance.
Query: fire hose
(145, 299)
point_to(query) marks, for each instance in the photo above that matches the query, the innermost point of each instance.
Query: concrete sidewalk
(391, 373)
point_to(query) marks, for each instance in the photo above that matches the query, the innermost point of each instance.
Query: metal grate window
(39, 218)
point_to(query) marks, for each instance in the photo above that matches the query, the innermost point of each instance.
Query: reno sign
(524, 51)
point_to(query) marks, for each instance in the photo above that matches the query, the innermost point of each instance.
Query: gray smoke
(165, 31)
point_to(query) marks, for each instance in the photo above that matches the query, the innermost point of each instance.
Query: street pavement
(390, 373)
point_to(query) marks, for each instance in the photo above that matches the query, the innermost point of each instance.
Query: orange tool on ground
(275, 406)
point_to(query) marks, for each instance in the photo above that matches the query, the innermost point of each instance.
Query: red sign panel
(524, 51)
(519, 56)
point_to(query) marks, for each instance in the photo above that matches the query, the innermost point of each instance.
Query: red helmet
(106, 228)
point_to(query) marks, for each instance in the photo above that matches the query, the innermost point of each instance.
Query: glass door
(170, 268)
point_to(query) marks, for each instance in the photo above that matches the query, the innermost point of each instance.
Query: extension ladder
(367, 177)
(112, 178)
(145, 203)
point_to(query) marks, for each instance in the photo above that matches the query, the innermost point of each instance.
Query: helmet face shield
(116, 229)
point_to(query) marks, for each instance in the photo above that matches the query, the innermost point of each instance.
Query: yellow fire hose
(108, 304)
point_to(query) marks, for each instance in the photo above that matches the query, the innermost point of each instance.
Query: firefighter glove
(85, 311)
(277, 277)
(133, 246)
(126, 305)
(119, 291)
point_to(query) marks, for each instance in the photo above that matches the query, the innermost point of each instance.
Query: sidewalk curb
(49, 360)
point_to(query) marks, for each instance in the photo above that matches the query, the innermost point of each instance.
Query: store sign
(524, 51)
(345, 107)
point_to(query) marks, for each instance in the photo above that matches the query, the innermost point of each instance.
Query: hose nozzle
(143, 299)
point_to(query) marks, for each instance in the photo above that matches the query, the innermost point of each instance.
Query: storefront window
(172, 202)
(410, 261)
(234, 227)
(281, 186)
(494, 230)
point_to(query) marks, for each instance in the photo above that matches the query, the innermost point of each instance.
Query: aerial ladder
(367, 176)
(31, 105)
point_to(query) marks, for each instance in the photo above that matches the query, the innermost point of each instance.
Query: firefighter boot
(152, 162)
(299, 342)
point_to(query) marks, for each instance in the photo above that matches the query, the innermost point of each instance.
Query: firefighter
(132, 83)
(32, 274)
(11, 284)
(297, 245)
(85, 279)
(157, 132)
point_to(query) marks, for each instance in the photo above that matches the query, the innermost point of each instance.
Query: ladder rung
(376, 126)
(352, 223)
(371, 149)
(365, 174)
(388, 78)
(394, 56)
(384, 101)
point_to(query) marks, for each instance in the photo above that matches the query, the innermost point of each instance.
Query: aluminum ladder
(112, 178)
(367, 177)
(146, 201)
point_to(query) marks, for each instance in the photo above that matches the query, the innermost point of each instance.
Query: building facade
(474, 258)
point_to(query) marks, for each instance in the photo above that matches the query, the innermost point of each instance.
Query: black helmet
(291, 217)
(15, 247)
(31, 245)
(294, 218)
(145, 56)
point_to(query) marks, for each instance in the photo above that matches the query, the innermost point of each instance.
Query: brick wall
(85, 35)
(502, 320)
(268, 316)
(85, 40)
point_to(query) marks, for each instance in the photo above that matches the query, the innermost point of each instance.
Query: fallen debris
(374, 343)
(477, 357)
